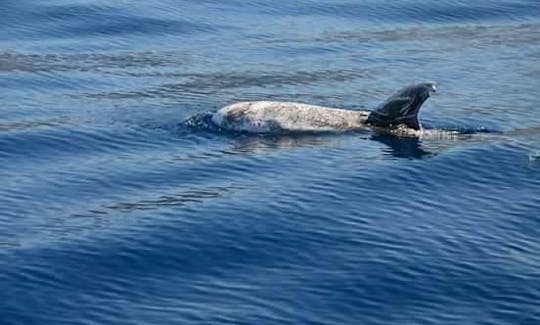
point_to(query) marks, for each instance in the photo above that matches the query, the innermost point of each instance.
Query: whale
(398, 115)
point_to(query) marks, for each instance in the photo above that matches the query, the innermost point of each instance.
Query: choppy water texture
(114, 211)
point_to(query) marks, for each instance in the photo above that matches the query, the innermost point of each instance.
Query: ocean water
(114, 210)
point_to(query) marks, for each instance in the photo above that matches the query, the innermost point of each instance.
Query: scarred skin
(266, 116)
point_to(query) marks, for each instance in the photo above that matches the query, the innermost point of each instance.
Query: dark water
(114, 211)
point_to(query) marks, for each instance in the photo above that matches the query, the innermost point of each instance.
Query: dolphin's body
(399, 112)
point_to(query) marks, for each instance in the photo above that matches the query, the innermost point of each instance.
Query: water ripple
(121, 203)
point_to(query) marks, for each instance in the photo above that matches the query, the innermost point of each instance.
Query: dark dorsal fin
(402, 107)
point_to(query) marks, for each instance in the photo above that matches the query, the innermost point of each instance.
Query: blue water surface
(114, 210)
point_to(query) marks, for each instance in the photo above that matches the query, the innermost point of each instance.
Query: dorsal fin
(402, 107)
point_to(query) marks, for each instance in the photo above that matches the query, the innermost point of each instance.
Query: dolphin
(398, 115)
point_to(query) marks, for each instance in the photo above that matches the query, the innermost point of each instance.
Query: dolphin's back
(398, 112)
(268, 116)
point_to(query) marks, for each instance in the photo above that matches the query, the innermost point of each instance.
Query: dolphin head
(402, 107)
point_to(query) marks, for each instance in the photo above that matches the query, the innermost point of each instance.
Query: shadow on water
(409, 148)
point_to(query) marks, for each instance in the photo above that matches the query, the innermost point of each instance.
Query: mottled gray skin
(265, 116)
(399, 112)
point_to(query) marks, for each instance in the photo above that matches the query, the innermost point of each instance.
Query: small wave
(456, 133)
(473, 130)
(534, 157)
(88, 62)
(79, 21)
(403, 11)
(32, 124)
